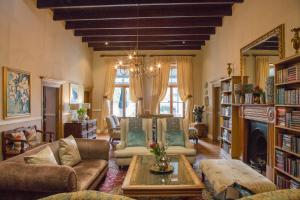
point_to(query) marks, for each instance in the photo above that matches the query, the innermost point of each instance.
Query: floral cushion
(16, 146)
(31, 137)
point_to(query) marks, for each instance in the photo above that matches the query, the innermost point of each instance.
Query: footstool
(223, 174)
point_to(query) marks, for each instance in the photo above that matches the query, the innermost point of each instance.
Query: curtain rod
(190, 55)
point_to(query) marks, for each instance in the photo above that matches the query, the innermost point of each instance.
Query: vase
(296, 39)
(229, 69)
(198, 119)
(163, 163)
(256, 99)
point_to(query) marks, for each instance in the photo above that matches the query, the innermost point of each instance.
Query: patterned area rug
(115, 178)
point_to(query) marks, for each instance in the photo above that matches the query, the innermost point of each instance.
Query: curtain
(160, 82)
(261, 70)
(108, 90)
(185, 85)
(136, 92)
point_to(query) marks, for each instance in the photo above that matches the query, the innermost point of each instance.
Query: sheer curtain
(108, 90)
(261, 70)
(185, 85)
(136, 92)
(160, 82)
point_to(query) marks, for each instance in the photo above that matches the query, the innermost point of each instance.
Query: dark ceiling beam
(150, 48)
(146, 38)
(144, 12)
(101, 3)
(146, 23)
(142, 32)
(156, 43)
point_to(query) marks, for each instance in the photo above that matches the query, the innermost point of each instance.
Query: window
(172, 104)
(121, 105)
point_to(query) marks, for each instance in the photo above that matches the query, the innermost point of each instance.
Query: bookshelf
(287, 127)
(229, 137)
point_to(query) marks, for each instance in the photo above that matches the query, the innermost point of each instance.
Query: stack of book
(225, 98)
(226, 135)
(226, 147)
(226, 111)
(227, 123)
(288, 96)
(289, 142)
(294, 184)
(288, 118)
(288, 74)
(287, 163)
(282, 182)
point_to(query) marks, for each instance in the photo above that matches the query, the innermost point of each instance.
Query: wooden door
(216, 113)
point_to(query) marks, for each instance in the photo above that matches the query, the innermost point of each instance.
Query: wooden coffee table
(140, 182)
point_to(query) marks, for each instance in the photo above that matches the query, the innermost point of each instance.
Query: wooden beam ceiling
(161, 24)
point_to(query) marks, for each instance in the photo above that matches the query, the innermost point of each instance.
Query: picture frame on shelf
(16, 93)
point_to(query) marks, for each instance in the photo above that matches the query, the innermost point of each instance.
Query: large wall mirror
(258, 57)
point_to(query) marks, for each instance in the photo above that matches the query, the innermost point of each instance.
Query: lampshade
(86, 106)
(74, 106)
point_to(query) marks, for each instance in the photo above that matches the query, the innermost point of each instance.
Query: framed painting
(16, 93)
(74, 93)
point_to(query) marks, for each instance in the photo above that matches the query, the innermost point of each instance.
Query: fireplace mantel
(258, 112)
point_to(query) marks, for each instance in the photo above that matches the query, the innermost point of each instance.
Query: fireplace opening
(257, 146)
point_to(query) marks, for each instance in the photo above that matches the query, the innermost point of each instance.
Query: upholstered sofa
(19, 180)
(187, 149)
(123, 152)
(113, 127)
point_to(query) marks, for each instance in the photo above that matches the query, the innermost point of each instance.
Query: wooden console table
(85, 129)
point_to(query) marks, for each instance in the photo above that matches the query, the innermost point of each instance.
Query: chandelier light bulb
(151, 68)
(131, 69)
(158, 65)
(120, 62)
(116, 66)
(130, 56)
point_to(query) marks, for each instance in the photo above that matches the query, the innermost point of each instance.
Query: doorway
(216, 112)
(51, 110)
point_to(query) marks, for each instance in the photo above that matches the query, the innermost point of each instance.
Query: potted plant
(81, 114)
(237, 93)
(198, 111)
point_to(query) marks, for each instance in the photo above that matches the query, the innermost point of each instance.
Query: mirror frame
(281, 47)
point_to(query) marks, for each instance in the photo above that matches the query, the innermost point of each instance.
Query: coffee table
(140, 182)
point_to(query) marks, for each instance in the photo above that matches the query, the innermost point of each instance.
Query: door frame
(215, 131)
(58, 84)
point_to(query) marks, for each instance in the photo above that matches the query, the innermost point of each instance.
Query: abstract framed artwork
(74, 93)
(16, 93)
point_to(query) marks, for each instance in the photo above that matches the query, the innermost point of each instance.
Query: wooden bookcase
(287, 124)
(229, 117)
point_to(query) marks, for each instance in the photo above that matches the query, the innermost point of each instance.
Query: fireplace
(257, 145)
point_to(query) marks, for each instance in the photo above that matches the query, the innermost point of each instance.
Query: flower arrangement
(81, 113)
(160, 154)
(198, 111)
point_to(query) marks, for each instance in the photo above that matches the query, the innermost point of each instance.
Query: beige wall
(30, 40)
(250, 20)
(99, 71)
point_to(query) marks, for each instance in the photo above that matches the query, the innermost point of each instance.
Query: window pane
(167, 97)
(118, 102)
(178, 109)
(176, 97)
(130, 105)
(173, 75)
(122, 76)
(164, 108)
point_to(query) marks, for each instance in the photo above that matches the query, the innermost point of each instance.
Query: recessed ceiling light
(106, 43)
(183, 42)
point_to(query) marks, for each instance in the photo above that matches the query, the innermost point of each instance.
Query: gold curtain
(185, 85)
(108, 90)
(160, 82)
(136, 92)
(261, 70)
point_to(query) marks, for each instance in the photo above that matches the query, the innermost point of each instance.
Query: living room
(185, 99)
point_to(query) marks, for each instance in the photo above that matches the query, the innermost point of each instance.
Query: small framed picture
(16, 93)
(74, 93)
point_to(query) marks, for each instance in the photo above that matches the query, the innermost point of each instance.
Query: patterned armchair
(136, 137)
(20, 140)
(171, 132)
(113, 126)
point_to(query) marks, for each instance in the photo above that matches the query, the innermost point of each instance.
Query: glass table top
(142, 175)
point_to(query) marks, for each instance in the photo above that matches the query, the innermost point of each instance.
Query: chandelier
(135, 63)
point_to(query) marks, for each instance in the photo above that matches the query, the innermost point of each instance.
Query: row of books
(284, 182)
(288, 142)
(287, 163)
(226, 147)
(226, 135)
(226, 111)
(288, 74)
(226, 98)
(288, 118)
(226, 86)
(288, 96)
(227, 123)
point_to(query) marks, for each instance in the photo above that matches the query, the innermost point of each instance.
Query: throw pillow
(136, 138)
(68, 151)
(19, 135)
(175, 138)
(45, 157)
(31, 136)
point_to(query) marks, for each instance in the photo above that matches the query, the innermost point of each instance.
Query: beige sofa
(188, 150)
(19, 180)
(123, 153)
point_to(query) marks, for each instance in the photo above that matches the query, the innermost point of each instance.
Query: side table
(201, 127)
